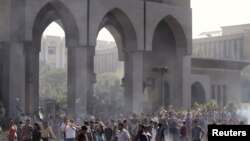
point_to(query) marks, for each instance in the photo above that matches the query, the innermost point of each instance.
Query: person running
(197, 132)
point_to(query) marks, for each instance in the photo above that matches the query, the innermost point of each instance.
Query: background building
(141, 41)
(54, 52)
(217, 61)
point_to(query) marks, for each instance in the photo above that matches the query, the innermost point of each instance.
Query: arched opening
(108, 89)
(197, 94)
(109, 55)
(53, 72)
(54, 58)
(163, 56)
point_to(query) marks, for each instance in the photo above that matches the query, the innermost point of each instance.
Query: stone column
(182, 94)
(13, 80)
(91, 79)
(127, 84)
(31, 78)
(134, 81)
(78, 83)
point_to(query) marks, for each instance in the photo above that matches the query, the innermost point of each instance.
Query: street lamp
(162, 70)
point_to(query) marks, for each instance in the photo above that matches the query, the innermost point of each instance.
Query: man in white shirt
(70, 131)
(123, 134)
(154, 130)
(62, 127)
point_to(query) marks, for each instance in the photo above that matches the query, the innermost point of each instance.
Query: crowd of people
(164, 125)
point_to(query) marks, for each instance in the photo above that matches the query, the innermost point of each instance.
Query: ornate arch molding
(53, 11)
(178, 32)
(122, 29)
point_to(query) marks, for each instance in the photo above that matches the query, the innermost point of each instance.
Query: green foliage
(108, 96)
(53, 83)
(206, 106)
(108, 93)
(231, 107)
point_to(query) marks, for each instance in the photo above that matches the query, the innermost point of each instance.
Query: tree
(108, 96)
(53, 83)
(108, 93)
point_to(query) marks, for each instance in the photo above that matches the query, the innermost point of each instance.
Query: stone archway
(197, 94)
(168, 44)
(21, 37)
(52, 11)
(122, 29)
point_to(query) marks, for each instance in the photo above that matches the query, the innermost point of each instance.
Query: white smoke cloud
(168, 138)
(244, 113)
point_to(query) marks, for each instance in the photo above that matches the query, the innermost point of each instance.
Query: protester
(12, 133)
(26, 131)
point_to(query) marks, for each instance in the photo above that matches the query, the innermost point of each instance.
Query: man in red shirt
(183, 132)
(26, 131)
(12, 135)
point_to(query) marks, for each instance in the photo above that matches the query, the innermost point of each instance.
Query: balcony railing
(226, 49)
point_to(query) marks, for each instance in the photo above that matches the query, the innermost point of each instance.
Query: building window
(51, 50)
(224, 91)
(224, 49)
(213, 91)
(218, 94)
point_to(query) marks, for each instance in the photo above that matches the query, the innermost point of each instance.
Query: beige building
(217, 62)
(54, 52)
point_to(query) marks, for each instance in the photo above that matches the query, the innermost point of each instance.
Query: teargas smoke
(168, 138)
(244, 114)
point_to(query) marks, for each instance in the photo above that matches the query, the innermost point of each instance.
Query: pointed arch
(177, 30)
(54, 11)
(121, 28)
(197, 93)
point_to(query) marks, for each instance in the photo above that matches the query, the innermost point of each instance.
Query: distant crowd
(166, 124)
